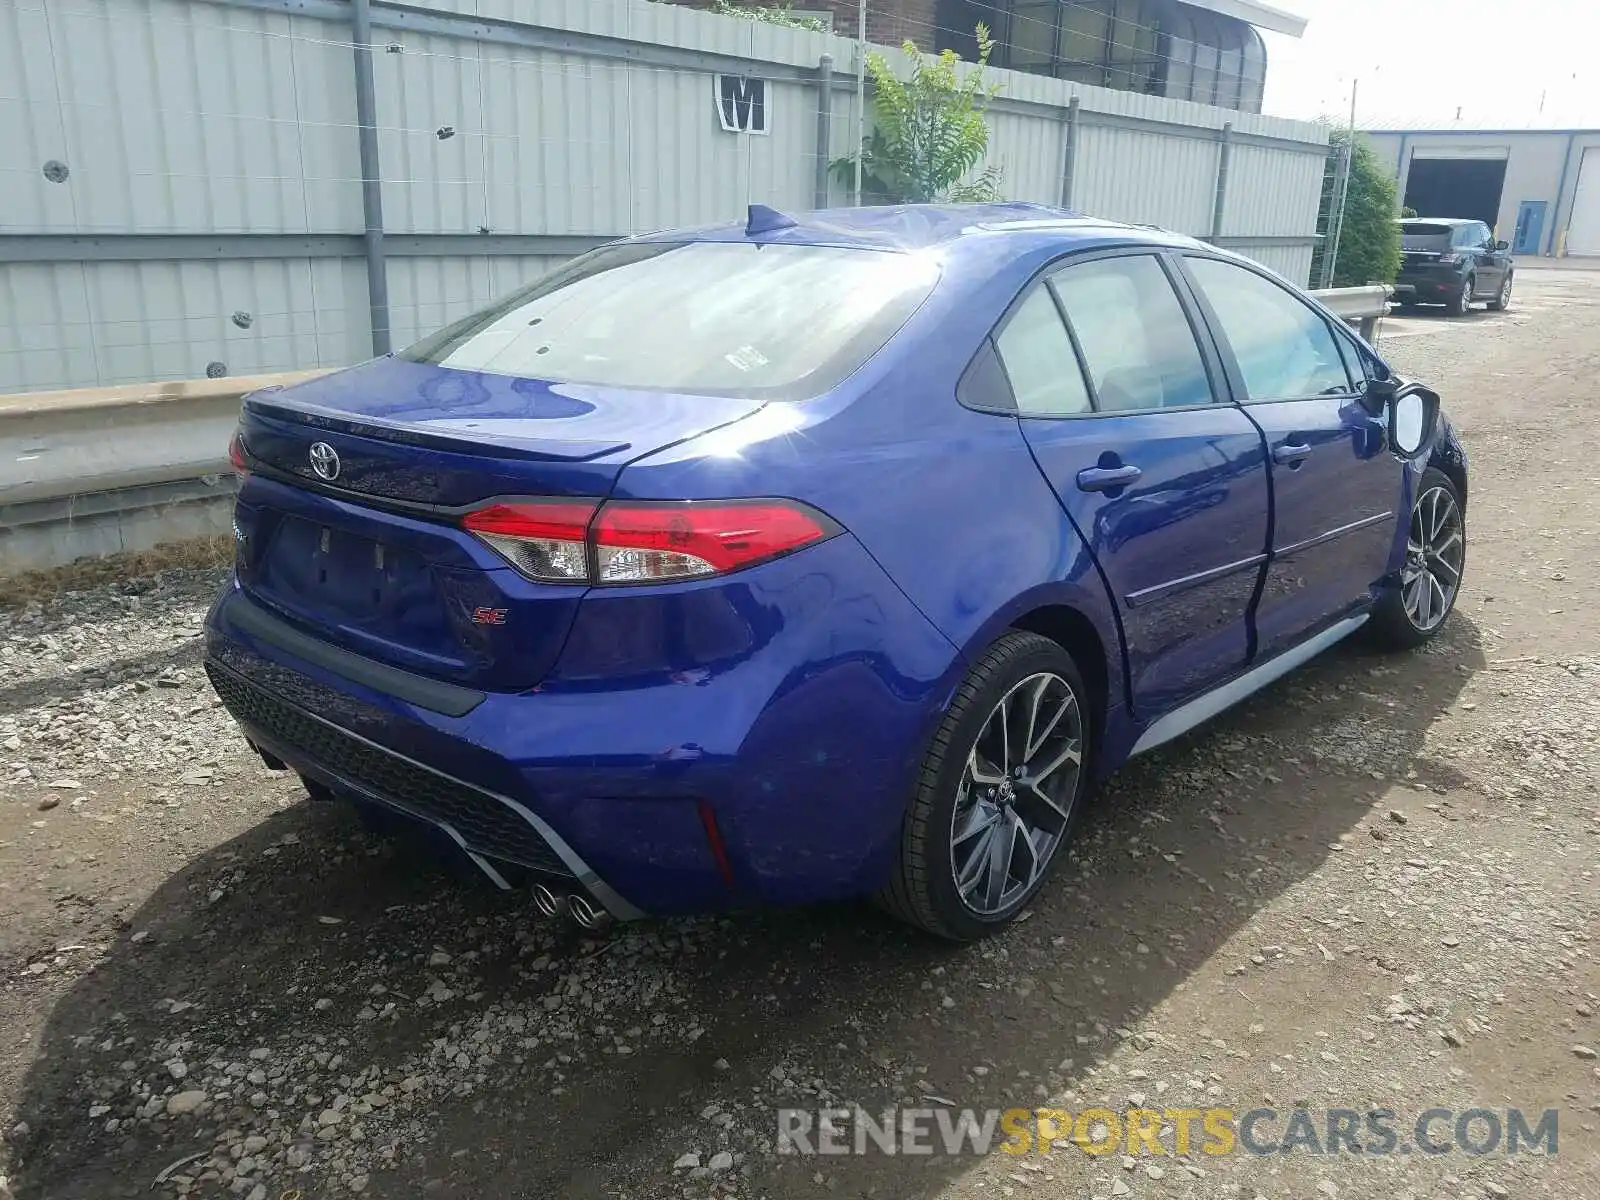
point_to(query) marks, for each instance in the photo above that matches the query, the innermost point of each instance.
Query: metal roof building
(1538, 188)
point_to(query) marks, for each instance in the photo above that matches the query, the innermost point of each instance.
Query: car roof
(1438, 220)
(913, 227)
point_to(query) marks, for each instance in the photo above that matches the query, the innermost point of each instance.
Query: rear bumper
(790, 702)
(1440, 284)
(486, 826)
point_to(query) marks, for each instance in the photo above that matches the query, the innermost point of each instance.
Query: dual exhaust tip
(580, 908)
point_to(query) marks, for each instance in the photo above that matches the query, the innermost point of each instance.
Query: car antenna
(765, 220)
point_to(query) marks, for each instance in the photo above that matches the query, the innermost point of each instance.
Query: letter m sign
(742, 104)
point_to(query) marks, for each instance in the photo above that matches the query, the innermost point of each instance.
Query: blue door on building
(1530, 224)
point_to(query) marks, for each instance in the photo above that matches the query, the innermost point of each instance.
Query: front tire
(999, 792)
(1414, 611)
(1502, 301)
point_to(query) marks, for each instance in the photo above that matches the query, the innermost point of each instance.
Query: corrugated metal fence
(181, 191)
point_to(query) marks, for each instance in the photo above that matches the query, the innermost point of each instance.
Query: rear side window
(1137, 344)
(1284, 348)
(768, 321)
(1038, 358)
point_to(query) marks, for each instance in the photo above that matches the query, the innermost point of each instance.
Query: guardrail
(95, 471)
(1360, 306)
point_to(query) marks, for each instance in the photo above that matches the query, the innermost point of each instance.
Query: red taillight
(544, 539)
(636, 542)
(241, 465)
(629, 541)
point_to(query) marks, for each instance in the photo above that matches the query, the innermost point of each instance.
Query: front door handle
(1103, 479)
(1291, 454)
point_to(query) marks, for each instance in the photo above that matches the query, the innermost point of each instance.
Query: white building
(1539, 188)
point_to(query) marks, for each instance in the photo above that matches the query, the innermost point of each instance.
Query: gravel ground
(1372, 886)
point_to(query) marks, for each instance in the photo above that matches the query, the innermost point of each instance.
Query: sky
(1469, 64)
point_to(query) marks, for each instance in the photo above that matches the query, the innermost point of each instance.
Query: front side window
(1137, 344)
(1038, 358)
(767, 321)
(1284, 348)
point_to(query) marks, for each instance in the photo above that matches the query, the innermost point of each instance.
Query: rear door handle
(1103, 479)
(1291, 453)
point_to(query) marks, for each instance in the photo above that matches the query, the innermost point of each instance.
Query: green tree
(778, 14)
(928, 131)
(1369, 240)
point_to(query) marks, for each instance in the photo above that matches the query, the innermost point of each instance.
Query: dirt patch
(147, 566)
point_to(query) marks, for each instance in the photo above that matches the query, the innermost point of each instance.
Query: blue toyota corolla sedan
(819, 556)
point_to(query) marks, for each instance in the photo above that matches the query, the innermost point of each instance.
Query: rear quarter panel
(948, 501)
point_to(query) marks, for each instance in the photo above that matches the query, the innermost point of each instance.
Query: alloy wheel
(1466, 293)
(1435, 550)
(1505, 290)
(1016, 795)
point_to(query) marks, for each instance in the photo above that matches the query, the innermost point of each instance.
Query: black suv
(1452, 262)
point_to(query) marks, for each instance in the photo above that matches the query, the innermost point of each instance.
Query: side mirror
(1412, 415)
(1378, 394)
(1502, 245)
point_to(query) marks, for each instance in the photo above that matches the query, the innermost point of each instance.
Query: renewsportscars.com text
(1206, 1131)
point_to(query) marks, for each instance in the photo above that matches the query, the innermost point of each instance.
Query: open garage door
(1458, 186)
(1583, 230)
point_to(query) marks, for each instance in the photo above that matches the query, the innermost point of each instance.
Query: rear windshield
(1422, 236)
(751, 319)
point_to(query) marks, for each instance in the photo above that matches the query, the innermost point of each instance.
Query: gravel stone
(180, 1103)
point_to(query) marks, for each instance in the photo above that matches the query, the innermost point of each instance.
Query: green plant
(928, 131)
(779, 14)
(1369, 240)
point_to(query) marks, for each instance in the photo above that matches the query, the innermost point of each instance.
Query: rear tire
(1412, 612)
(1459, 303)
(999, 793)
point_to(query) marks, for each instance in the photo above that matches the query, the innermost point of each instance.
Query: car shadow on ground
(281, 937)
(1438, 312)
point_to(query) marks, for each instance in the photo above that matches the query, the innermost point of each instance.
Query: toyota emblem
(324, 460)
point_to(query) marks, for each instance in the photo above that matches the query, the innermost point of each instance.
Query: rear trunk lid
(367, 552)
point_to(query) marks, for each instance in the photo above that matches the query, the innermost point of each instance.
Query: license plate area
(345, 575)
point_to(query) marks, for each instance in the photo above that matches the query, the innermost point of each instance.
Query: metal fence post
(1069, 152)
(1219, 201)
(824, 128)
(1335, 224)
(371, 180)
